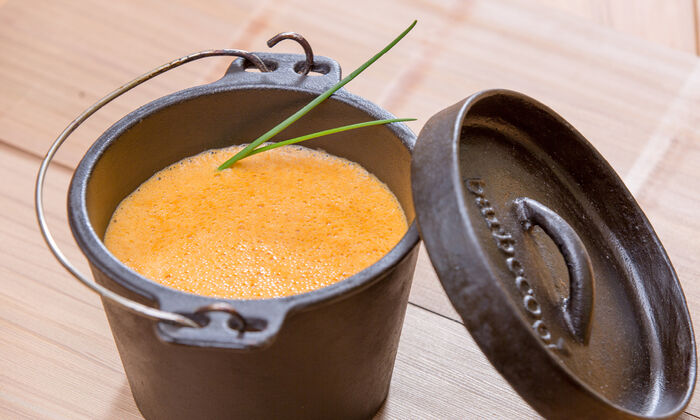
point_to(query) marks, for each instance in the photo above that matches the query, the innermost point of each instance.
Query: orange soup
(282, 222)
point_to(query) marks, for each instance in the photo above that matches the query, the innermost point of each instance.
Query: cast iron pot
(328, 353)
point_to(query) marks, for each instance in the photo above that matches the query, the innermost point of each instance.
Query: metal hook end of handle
(309, 63)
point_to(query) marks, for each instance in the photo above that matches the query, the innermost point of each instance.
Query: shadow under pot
(328, 353)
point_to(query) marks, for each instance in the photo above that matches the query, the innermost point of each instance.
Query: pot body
(328, 353)
(333, 361)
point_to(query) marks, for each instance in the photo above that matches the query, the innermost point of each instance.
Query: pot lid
(550, 262)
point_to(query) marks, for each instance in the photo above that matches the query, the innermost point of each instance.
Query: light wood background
(624, 73)
(674, 23)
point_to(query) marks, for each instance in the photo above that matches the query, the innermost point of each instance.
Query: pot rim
(168, 298)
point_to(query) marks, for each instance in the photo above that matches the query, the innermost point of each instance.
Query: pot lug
(243, 327)
(283, 72)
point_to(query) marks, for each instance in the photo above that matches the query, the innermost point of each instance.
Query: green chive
(325, 133)
(311, 105)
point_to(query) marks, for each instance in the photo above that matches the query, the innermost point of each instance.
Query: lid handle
(578, 307)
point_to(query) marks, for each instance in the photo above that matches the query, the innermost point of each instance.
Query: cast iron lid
(550, 262)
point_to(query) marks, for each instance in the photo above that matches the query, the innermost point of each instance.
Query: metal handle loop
(578, 308)
(135, 307)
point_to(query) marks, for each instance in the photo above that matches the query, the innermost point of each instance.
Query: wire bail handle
(130, 305)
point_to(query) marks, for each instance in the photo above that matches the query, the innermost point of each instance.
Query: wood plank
(669, 23)
(55, 338)
(697, 26)
(427, 292)
(440, 373)
(614, 99)
(61, 56)
(501, 44)
(95, 56)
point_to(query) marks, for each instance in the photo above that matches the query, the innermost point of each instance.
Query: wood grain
(697, 26)
(669, 23)
(636, 102)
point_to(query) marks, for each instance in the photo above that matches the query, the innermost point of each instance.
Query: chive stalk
(311, 105)
(325, 133)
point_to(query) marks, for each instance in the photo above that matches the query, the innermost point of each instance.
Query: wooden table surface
(637, 102)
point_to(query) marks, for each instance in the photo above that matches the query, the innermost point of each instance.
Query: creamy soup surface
(282, 222)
